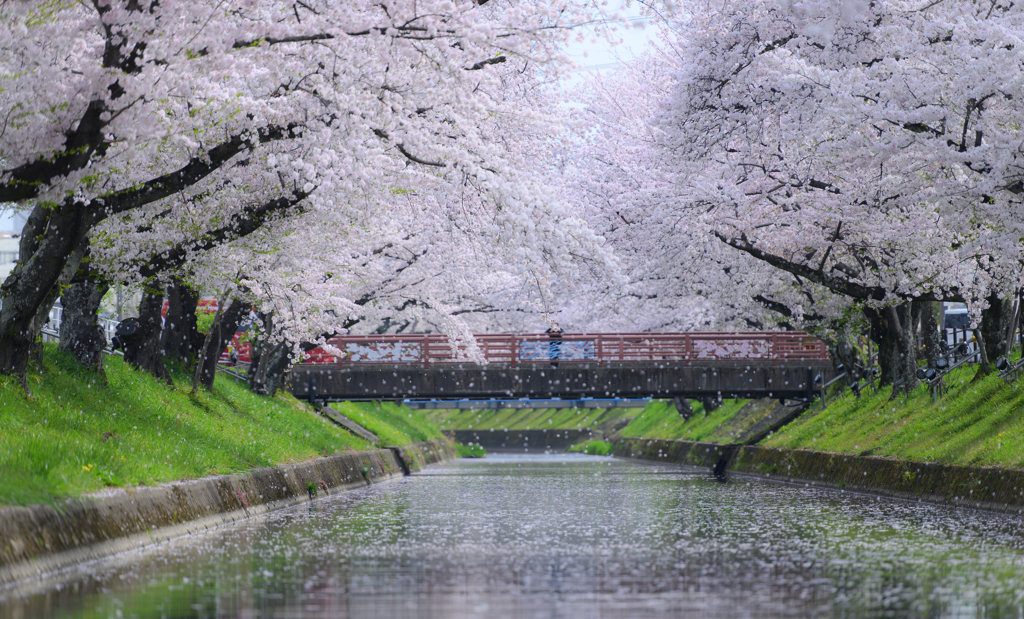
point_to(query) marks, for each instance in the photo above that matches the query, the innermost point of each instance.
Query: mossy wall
(419, 455)
(990, 488)
(43, 538)
(689, 453)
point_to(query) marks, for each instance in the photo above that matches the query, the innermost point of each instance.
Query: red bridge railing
(426, 350)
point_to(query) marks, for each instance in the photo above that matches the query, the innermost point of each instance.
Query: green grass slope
(528, 418)
(972, 424)
(659, 419)
(79, 434)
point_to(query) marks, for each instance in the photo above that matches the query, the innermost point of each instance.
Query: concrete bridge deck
(568, 381)
(605, 365)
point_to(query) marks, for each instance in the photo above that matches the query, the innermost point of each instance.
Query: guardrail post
(515, 350)
(424, 347)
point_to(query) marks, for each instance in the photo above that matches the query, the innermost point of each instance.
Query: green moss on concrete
(593, 448)
(972, 424)
(79, 434)
(470, 451)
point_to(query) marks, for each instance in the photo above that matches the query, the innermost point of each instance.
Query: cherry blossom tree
(203, 115)
(680, 277)
(870, 148)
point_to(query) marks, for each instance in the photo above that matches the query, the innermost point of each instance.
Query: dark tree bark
(142, 350)
(930, 332)
(259, 346)
(221, 332)
(995, 323)
(80, 332)
(270, 362)
(915, 322)
(270, 371)
(181, 340)
(901, 322)
(683, 407)
(984, 367)
(844, 353)
(31, 289)
(710, 404)
(891, 331)
(1013, 332)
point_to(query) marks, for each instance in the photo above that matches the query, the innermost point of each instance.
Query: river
(564, 536)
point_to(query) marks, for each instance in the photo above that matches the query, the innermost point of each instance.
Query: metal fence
(513, 349)
(51, 332)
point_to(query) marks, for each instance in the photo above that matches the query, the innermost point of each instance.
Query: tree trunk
(273, 366)
(906, 341)
(142, 350)
(1011, 330)
(984, 369)
(930, 332)
(995, 323)
(52, 245)
(259, 346)
(710, 404)
(888, 353)
(844, 353)
(181, 340)
(80, 332)
(897, 357)
(915, 324)
(221, 332)
(683, 407)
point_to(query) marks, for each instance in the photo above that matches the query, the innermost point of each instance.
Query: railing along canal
(513, 349)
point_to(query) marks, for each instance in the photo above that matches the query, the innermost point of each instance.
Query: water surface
(565, 536)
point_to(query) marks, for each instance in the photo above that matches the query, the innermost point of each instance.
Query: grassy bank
(530, 418)
(79, 434)
(972, 424)
(659, 419)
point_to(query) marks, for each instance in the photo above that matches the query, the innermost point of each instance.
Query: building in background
(12, 222)
(9, 242)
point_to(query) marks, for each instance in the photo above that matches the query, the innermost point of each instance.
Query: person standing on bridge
(555, 346)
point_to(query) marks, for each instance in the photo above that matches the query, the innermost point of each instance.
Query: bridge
(694, 365)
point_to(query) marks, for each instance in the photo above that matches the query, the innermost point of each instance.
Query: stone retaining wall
(44, 538)
(990, 488)
(689, 453)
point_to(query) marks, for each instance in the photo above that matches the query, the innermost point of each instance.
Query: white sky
(599, 55)
(5, 220)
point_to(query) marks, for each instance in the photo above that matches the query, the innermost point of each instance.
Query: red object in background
(243, 350)
(318, 356)
(207, 305)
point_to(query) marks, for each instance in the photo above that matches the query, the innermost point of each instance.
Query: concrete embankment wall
(522, 441)
(43, 538)
(990, 488)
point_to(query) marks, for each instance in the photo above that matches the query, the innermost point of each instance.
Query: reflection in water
(564, 536)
